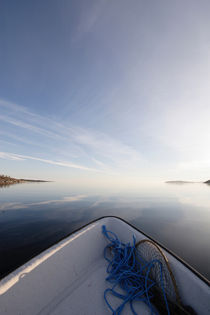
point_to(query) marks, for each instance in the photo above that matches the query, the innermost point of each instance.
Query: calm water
(35, 216)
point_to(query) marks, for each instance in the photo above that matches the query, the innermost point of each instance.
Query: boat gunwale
(197, 273)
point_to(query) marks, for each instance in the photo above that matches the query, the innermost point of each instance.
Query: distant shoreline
(179, 182)
(7, 180)
(185, 182)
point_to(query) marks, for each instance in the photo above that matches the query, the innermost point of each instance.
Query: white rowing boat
(69, 277)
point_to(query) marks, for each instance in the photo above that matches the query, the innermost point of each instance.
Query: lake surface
(34, 216)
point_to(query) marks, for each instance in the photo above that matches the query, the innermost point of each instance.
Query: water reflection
(33, 217)
(7, 185)
(14, 205)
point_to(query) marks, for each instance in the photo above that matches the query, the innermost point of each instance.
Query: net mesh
(162, 274)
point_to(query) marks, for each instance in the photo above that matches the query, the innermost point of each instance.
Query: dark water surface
(35, 216)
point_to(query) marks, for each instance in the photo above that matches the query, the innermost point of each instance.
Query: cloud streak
(11, 156)
(96, 149)
(19, 157)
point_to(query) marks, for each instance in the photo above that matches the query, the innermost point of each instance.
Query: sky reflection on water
(35, 216)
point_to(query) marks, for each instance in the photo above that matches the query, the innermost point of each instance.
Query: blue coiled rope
(129, 275)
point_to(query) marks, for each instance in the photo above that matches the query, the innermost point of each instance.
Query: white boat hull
(69, 278)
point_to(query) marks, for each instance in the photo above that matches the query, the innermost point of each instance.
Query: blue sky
(105, 89)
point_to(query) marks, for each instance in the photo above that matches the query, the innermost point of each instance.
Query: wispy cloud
(13, 156)
(97, 149)
(19, 139)
(27, 126)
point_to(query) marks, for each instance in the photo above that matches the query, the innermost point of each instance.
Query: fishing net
(140, 272)
(149, 253)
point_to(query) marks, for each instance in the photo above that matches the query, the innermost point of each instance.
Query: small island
(7, 181)
(180, 182)
(207, 182)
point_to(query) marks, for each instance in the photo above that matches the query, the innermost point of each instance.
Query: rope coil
(129, 275)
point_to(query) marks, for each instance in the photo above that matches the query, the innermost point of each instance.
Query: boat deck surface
(69, 278)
